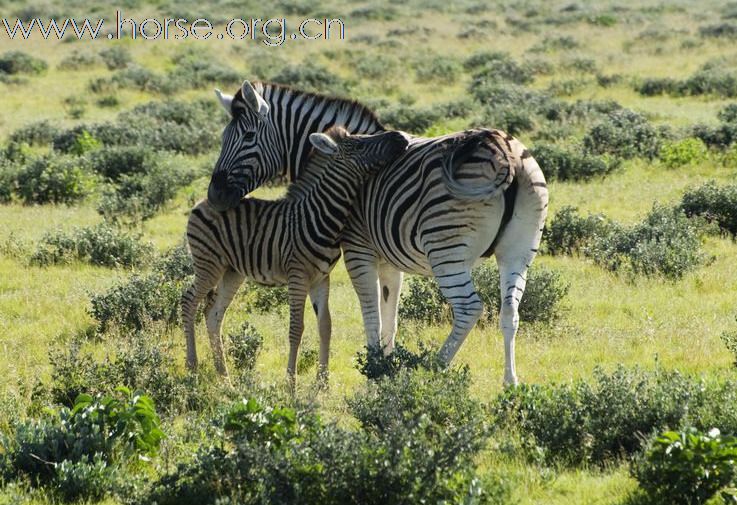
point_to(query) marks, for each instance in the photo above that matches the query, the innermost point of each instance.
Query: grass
(608, 319)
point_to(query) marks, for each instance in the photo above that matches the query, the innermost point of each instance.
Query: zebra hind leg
(458, 289)
(297, 288)
(215, 312)
(390, 282)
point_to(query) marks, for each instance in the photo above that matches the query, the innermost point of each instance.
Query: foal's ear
(323, 143)
(225, 100)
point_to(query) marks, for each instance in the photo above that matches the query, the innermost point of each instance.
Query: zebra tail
(456, 155)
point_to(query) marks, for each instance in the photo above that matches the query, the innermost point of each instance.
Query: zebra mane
(343, 103)
(315, 165)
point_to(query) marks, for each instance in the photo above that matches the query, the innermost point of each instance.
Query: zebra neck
(329, 201)
(297, 114)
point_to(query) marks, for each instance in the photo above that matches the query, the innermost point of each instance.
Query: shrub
(569, 233)
(666, 242)
(373, 364)
(688, 467)
(101, 245)
(714, 203)
(18, 62)
(78, 60)
(657, 86)
(581, 422)
(544, 293)
(435, 68)
(36, 133)
(730, 341)
(721, 136)
(194, 72)
(263, 299)
(245, 346)
(625, 134)
(116, 57)
(114, 161)
(140, 361)
(53, 179)
(561, 164)
(311, 76)
(721, 30)
(76, 451)
(682, 152)
(494, 67)
(409, 118)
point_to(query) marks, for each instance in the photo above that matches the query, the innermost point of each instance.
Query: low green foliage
(682, 152)
(688, 467)
(569, 233)
(102, 245)
(624, 133)
(545, 290)
(245, 346)
(580, 423)
(373, 364)
(714, 203)
(53, 179)
(77, 452)
(558, 163)
(19, 62)
(263, 299)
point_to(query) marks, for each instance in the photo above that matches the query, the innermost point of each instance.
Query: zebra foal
(292, 241)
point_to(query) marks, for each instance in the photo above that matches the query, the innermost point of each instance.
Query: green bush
(730, 341)
(541, 302)
(76, 452)
(488, 66)
(682, 152)
(37, 133)
(409, 118)
(245, 346)
(113, 162)
(562, 164)
(714, 203)
(436, 68)
(140, 361)
(665, 243)
(311, 76)
(77, 60)
(569, 233)
(53, 179)
(373, 364)
(18, 62)
(688, 467)
(116, 57)
(720, 30)
(264, 299)
(102, 245)
(625, 134)
(580, 422)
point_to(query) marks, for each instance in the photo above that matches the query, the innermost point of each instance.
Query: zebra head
(359, 154)
(244, 164)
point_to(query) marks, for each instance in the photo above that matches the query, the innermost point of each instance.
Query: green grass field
(608, 319)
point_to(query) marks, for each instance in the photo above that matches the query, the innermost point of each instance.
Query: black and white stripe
(428, 214)
(292, 241)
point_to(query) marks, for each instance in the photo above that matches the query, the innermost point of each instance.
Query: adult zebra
(418, 217)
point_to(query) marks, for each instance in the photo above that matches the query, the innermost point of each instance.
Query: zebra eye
(249, 136)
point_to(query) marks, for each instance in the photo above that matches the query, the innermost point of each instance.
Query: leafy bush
(194, 72)
(263, 299)
(78, 60)
(721, 30)
(374, 365)
(494, 67)
(544, 293)
(714, 203)
(245, 346)
(581, 422)
(409, 118)
(730, 341)
(311, 76)
(36, 133)
(102, 245)
(666, 242)
(76, 451)
(569, 233)
(116, 57)
(113, 162)
(688, 467)
(682, 152)
(140, 361)
(625, 134)
(135, 303)
(561, 164)
(53, 179)
(436, 68)
(18, 62)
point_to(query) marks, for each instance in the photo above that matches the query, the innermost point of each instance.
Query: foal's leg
(319, 295)
(224, 294)
(297, 288)
(205, 280)
(390, 282)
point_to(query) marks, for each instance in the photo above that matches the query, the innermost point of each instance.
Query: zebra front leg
(319, 296)
(363, 271)
(297, 297)
(191, 299)
(458, 289)
(390, 280)
(215, 312)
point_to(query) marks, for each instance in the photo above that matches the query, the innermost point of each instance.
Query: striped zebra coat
(421, 216)
(292, 241)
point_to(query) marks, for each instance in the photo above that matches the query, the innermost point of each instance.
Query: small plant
(245, 346)
(682, 152)
(688, 467)
(730, 341)
(568, 233)
(264, 299)
(101, 245)
(625, 134)
(561, 164)
(116, 57)
(373, 364)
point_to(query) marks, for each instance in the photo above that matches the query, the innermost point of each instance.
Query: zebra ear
(254, 100)
(323, 143)
(225, 100)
